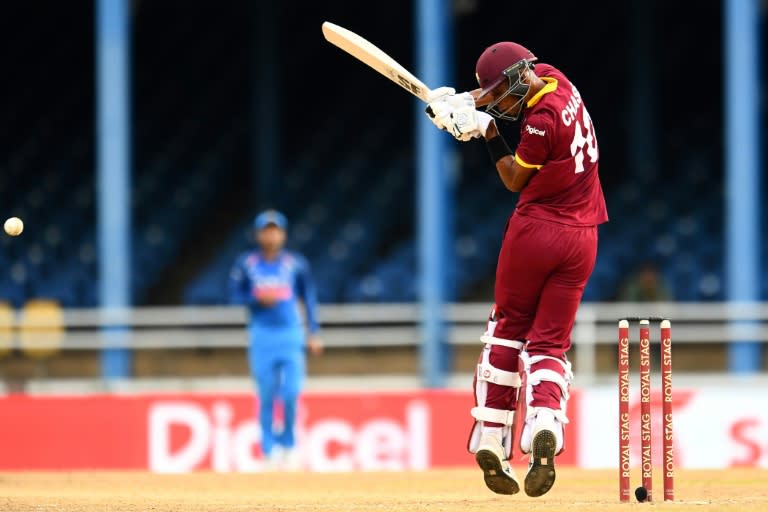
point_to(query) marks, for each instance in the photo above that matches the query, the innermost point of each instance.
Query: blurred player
(547, 255)
(270, 281)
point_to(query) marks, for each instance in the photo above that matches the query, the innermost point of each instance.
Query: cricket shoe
(541, 468)
(292, 460)
(274, 461)
(498, 474)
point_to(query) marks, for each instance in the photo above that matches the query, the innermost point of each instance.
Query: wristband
(497, 148)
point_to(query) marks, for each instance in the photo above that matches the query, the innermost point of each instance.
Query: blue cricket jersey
(286, 278)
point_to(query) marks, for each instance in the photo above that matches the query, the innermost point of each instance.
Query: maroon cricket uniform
(550, 243)
(523, 377)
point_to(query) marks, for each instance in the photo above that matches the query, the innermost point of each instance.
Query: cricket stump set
(645, 492)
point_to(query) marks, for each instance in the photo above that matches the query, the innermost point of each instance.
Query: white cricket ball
(13, 226)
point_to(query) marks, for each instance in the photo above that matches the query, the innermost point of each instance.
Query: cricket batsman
(548, 252)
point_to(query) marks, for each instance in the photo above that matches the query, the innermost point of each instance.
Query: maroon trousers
(542, 270)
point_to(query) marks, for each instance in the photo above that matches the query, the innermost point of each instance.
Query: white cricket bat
(364, 51)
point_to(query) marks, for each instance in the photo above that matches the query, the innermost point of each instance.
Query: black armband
(497, 148)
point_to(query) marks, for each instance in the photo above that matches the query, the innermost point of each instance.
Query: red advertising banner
(188, 432)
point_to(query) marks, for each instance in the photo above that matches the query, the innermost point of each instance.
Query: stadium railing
(371, 325)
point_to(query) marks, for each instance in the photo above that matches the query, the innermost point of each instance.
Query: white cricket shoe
(498, 474)
(541, 468)
(274, 461)
(292, 460)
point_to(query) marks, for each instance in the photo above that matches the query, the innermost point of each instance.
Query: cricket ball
(14, 226)
(641, 493)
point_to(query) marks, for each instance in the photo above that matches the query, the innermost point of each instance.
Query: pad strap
(493, 415)
(544, 374)
(494, 375)
(550, 376)
(492, 340)
(531, 360)
(559, 414)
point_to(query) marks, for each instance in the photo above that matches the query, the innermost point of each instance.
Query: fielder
(548, 252)
(270, 281)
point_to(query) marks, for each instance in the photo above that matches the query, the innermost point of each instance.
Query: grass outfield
(460, 490)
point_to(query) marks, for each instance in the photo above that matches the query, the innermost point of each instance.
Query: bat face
(364, 51)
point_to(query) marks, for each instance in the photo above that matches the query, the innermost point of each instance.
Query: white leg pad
(478, 429)
(564, 381)
(543, 418)
(486, 373)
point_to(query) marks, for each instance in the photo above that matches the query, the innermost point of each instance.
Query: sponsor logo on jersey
(534, 131)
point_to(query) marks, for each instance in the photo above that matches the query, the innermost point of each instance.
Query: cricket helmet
(504, 61)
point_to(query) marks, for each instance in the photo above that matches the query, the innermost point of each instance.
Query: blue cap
(268, 217)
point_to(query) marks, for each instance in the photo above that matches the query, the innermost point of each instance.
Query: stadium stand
(352, 196)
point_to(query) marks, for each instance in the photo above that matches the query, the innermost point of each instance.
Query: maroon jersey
(557, 138)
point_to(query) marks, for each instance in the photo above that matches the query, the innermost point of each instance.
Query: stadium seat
(352, 201)
(7, 324)
(41, 328)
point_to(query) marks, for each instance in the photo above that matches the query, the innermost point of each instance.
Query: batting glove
(439, 111)
(438, 93)
(466, 123)
(433, 96)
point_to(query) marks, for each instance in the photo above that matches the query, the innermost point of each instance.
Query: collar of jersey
(551, 86)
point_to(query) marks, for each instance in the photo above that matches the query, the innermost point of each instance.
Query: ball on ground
(14, 226)
(641, 493)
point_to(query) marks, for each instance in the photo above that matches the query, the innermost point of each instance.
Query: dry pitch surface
(445, 490)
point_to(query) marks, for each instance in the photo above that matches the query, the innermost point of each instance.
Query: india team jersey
(285, 279)
(558, 139)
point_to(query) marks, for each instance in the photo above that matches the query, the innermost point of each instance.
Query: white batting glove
(456, 101)
(439, 110)
(437, 115)
(438, 93)
(466, 123)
